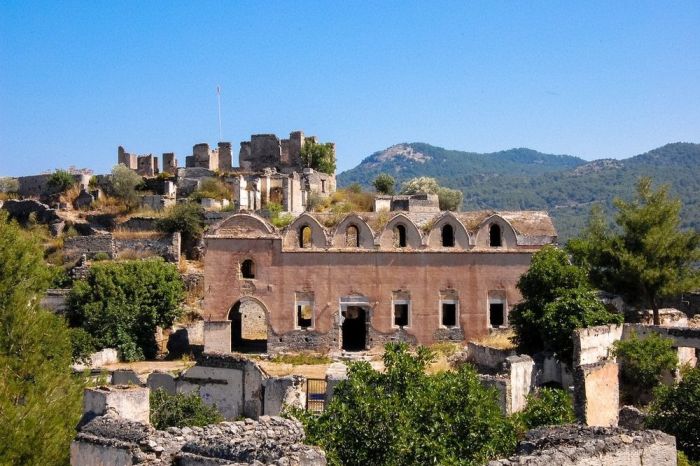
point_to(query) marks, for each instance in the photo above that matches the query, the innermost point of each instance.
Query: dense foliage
(449, 199)
(547, 407)
(212, 188)
(186, 218)
(181, 410)
(39, 397)
(557, 299)
(405, 417)
(121, 303)
(8, 184)
(647, 257)
(59, 181)
(525, 179)
(642, 363)
(124, 184)
(676, 411)
(320, 157)
(384, 183)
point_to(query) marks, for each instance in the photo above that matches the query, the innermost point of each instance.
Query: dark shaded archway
(242, 339)
(354, 328)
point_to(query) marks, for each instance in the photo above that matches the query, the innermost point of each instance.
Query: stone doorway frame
(354, 301)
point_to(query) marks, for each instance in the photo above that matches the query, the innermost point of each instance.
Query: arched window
(495, 236)
(399, 236)
(448, 236)
(248, 269)
(352, 237)
(305, 237)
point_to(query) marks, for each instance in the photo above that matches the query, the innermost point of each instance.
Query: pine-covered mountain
(566, 186)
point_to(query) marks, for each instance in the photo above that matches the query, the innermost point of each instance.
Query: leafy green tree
(648, 257)
(557, 299)
(384, 183)
(403, 416)
(39, 397)
(212, 188)
(642, 363)
(320, 157)
(59, 181)
(124, 183)
(186, 218)
(181, 410)
(449, 199)
(121, 303)
(676, 411)
(547, 407)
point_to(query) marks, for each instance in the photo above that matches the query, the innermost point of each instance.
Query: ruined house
(325, 283)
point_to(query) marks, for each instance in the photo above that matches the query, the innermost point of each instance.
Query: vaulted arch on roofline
(496, 233)
(305, 232)
(342, 236)
(390, 236)
(447, 226)
(243, 221)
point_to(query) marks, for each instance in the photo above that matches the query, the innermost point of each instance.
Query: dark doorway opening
(495, 236)
(448, 236)
(449, 314)
(354, 329)
(238, 343)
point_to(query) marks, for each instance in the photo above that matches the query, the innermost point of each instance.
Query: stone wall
(20, 210)
(55, 300)
(90, 246)
(36, 185)
(575, 445)
(109, 440)
(486, 357)
(166, 246)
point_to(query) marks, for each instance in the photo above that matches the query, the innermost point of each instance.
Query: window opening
(305, 314)
(496, 314)
(495, 236)
(352, 237)
(401, 314)
(248, 269)
(305, 237)
(449, 313)
(400, 236)
(448, 236)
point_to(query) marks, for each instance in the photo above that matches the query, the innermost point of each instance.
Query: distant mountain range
(564, 185)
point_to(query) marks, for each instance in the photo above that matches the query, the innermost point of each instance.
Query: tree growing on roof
(449, 199)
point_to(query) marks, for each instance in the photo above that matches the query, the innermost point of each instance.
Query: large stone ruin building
(270, 170)
(323, 283)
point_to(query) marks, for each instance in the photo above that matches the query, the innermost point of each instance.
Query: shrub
(59, 181)
(124, 184)
(384, 183)
(181, 410)
(188, 219)
(101, 256)
(82, 344)
(546, 407)
(212, 188)
(121, 303)
(8, 184)
(449, 199)
(404, 416)
(676, 411)
(643, 361)
(320, 157)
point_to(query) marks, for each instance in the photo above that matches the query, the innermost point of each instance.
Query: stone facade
(144, 165)
(320, 292)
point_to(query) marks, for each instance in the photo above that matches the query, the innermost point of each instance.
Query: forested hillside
(525, 179)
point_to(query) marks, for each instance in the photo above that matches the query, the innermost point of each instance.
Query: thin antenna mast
(218, 100)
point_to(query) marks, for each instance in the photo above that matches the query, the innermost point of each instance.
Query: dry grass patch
(121, 233)
(499, 340)
(132, 254)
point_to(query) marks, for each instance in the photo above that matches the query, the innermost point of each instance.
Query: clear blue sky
(593, 79)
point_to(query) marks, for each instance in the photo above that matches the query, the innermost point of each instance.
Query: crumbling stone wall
(89, 246)
(166, 246)
(575, 445)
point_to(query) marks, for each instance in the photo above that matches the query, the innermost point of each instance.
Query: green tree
(39, 397)
(676, 411)
(212, 188)
(320, 157)
(121, 303)
(59, 181)
(124, 183)
(449, 199)
(384, 183)
(547, 407)
(8, 184)
(648, 257)
(186, 218)
(181, 410)
(557, 299)
(403, 416)
(642, 363)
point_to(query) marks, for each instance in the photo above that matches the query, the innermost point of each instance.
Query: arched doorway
(248, 326)
(354, 328)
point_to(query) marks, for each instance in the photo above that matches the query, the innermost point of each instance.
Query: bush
(212, 188)
(320, 157)
(403, 416)
(181, 410)
(188, 219)
(121, 303)
(546, 407)
(384, 183)
(8, 184)
(59, 181)
(557, 299)
(450, 199)
(82, 344)
(676, 411)
(101, 256)
(642, 363)
(124, 184)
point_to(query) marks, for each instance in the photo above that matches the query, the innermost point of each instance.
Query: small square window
(401, 314)
(496, 317)
(305, 315)
(449, 314)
